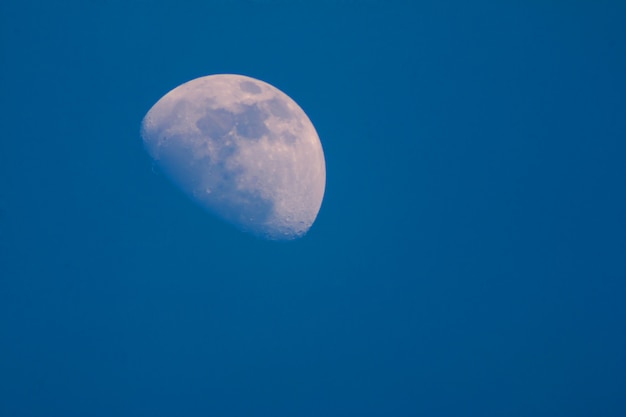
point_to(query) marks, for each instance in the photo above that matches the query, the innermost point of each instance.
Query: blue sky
(468, 258)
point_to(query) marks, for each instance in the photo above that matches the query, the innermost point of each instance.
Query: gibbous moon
(243, 150)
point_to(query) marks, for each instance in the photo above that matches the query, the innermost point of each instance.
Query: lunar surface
(243, 150)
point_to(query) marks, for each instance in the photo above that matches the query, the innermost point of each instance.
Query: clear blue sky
(469, 258)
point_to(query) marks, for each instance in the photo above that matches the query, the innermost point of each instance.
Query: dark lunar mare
(216, 123)
(278, 108)
(250, 123)
(250, 87)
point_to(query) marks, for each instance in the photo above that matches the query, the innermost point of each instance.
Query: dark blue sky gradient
(469, 258)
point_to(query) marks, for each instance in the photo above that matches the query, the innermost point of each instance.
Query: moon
(241, 149)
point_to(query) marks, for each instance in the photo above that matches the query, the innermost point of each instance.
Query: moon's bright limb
(242, 149)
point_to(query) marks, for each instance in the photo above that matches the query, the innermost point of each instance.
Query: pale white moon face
(243, 150)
